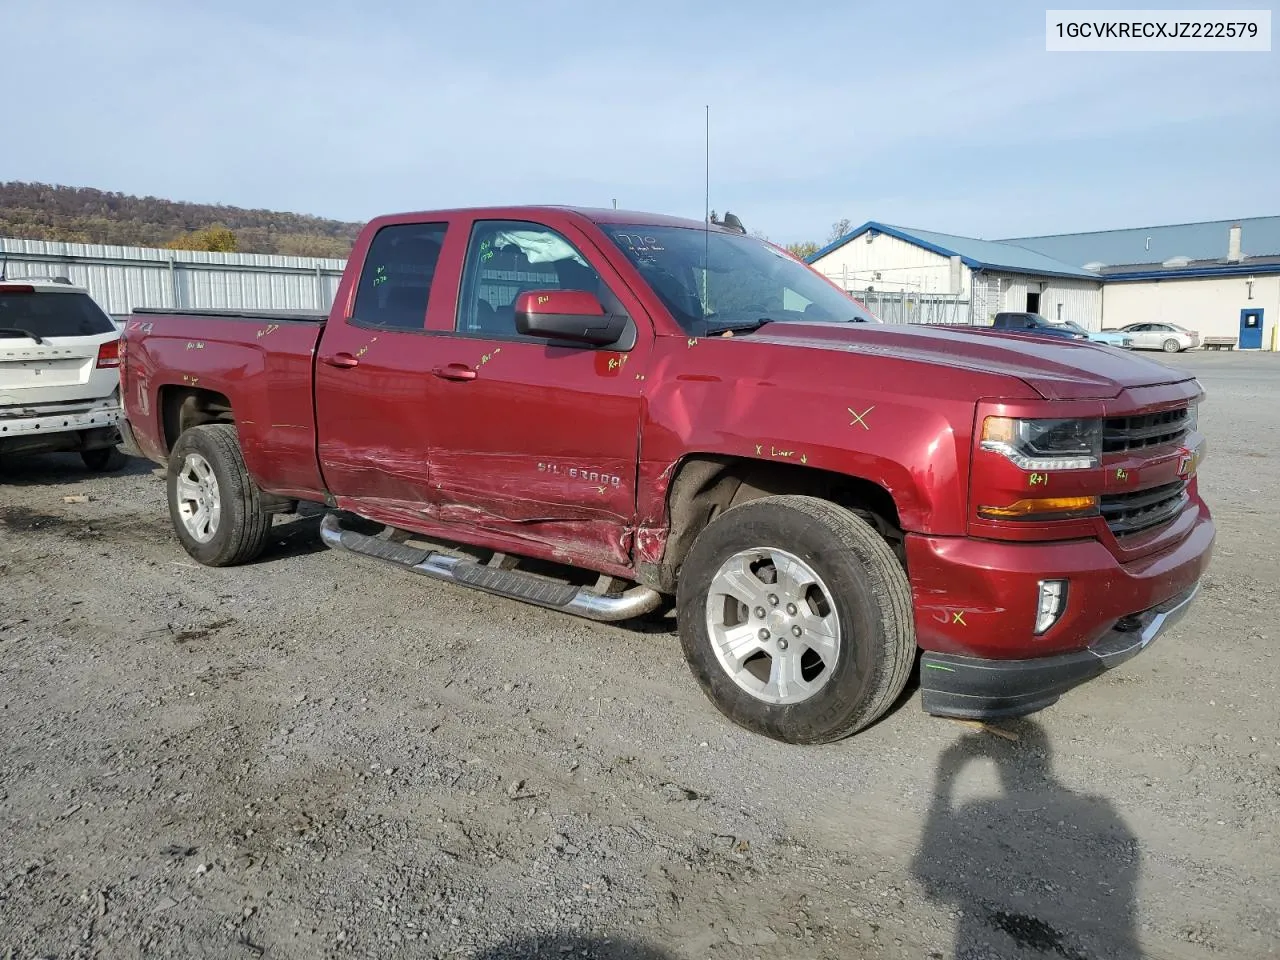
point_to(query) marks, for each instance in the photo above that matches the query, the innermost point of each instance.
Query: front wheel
(1172, 346)
(215, 506)
(796, 619)
(103, 460)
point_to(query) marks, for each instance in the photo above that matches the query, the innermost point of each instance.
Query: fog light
(1053, 601)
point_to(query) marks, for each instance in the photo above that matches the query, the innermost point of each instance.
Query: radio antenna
(706, 218)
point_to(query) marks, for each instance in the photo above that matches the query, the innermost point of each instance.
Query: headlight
(1045, 444)
(1193, 416)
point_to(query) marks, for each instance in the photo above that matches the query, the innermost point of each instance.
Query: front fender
(854, 416)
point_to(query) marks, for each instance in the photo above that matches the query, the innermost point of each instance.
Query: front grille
(1122, 434)
(1130, 513)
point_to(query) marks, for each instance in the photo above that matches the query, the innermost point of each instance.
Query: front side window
(396, 280)
(712, 281)
(506, 258)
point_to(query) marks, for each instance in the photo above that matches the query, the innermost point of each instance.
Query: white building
(919, 275)
(1220, 278)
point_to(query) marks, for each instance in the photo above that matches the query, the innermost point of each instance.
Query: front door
(537, 440)
(1251, 329)
(372, 374)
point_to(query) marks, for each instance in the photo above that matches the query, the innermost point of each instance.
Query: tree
(803, 249)
(839, 229)
(216, 239)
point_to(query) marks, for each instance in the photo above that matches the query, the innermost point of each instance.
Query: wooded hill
(40, 211)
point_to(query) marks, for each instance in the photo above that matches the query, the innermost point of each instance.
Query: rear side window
(59, 314)
(395, 283)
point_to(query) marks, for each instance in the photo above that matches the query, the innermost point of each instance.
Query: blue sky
(937, 115)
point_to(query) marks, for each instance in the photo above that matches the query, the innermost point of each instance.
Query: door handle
(455, 371)
(344, 361)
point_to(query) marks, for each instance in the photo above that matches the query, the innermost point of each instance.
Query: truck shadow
(1037, 871)
(295, 535)
(63, 469)
(556, 946)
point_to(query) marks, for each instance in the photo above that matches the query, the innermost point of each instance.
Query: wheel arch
(704, 485)
(182, 408)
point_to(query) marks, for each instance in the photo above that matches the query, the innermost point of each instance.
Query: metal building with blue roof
(1220, 278)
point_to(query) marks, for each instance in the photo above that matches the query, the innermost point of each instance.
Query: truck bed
(262, 362)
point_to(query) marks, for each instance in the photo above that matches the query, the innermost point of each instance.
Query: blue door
(1251, 329)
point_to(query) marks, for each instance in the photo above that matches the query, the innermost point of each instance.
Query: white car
(59, 373)
(1168, 337)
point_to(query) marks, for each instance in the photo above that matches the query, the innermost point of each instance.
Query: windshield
(51, 315)
(715, 281)
(1072, 325)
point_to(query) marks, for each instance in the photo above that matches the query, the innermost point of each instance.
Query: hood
(1056, 368)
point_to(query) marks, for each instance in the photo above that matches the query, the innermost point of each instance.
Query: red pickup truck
(595, 410)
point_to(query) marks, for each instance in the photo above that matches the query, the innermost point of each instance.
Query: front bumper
(973, 688)
(976, 601)
(71, 431)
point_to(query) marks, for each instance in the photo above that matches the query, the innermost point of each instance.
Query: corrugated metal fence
(123, 278)
(899, 307)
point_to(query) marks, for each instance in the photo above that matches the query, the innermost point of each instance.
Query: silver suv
(59, 373)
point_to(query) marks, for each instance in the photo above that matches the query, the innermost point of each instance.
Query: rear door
(1137, 332)
(374, 421)
(49, 349)
(535, 439)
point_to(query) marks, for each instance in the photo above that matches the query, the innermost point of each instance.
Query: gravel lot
(315, 756)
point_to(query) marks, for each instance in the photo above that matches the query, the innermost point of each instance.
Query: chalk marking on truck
(1122, 474)
(365, 349)
(860, 418)
(693, 341)
(195, 344)
(1037, 479)
(269, 329)
(958, 617)
(488, 356)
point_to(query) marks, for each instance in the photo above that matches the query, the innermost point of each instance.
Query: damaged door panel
(540, 436)
(373, 375)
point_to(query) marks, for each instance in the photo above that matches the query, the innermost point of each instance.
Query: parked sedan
(1168, 337)
(1112, 338)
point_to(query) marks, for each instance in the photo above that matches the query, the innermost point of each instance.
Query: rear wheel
(795, 618)
(1172, 346)
(104, 459)
(215, 506)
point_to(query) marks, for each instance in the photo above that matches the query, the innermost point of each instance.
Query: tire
(866, 592)
(104, 459)
(1172, 346)
(236, 531)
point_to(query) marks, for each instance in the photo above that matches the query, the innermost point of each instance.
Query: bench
(1218, 343)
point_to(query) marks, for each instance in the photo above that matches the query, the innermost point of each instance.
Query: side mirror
(574, 315)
